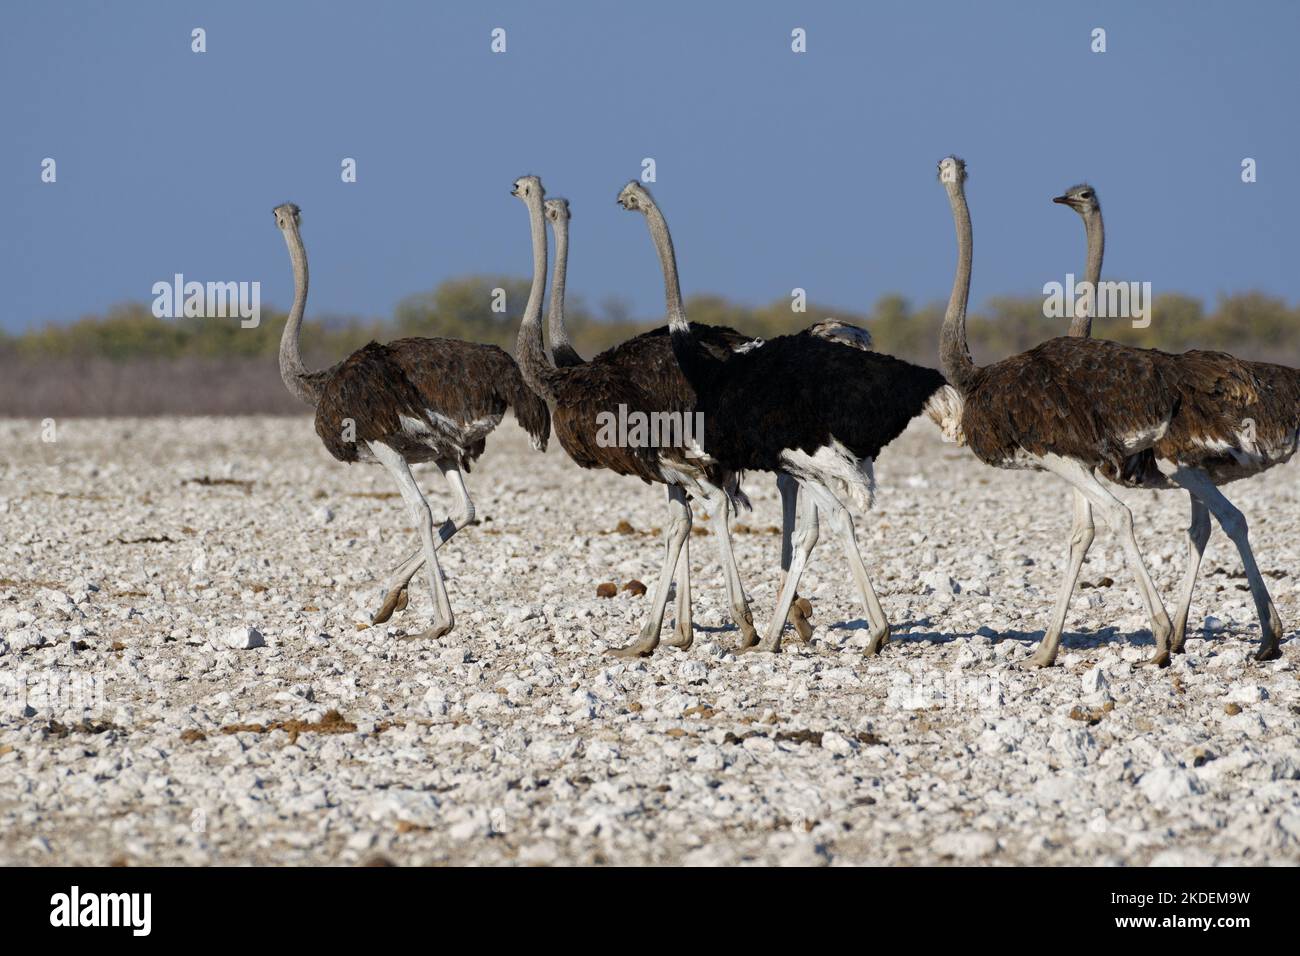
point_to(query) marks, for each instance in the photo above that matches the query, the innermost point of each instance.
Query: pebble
(515, 740)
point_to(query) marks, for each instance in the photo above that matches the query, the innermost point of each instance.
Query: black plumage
(804, 392)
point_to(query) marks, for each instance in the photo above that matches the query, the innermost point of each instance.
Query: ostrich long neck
(954, 352)
(562, 351)
(1081, 325)
(694, 361)
(292, 369)
(529, 348)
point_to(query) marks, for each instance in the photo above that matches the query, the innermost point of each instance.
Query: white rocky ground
(516, 740)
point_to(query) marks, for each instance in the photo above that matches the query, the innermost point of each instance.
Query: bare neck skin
(292, 369)
(668, 264)
(696, 364)
(1081, 325)
(563, 353)
(954, 352)
(529, 348)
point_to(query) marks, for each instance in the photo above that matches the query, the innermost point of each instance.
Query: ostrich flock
(815, 408)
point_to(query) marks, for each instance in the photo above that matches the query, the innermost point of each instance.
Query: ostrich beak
(1063, 200)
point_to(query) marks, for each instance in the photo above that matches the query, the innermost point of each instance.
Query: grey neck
(530, 350)
(1081, 325)
(954, 352)
(562, 351)
(292, 370)
(668, 263)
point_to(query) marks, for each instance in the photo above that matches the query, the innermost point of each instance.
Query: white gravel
(142, 611)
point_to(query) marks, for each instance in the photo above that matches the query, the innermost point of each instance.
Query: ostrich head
(952, 169)
(635, 198)
(1082, 199)
(557, 210)
(286, 215)
(528, 188)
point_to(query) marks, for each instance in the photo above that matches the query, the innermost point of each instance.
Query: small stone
(243, 639)
(1094, 681)
(606, 590)
(837, 743)
(969, 845)
(1165, 785)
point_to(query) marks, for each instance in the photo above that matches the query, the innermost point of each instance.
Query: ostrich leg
(683, 635)
(1082, 533)
(443, 620)
(679, 528)
(1198, 534)
(841, 521)
(395, 597)
(719, 506)
(789, 490)
(1234, 526)
(1117, 515)
(400, 577)
(802, 540)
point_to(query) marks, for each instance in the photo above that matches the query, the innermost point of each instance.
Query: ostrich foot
(768, 645)
(432, 634)
(1039, 659)
(1159, 659)
(1180, 637)
(683, 636)
(878, 640)
(396, 600)
(1269, 650)
(643, 646)
(745, 622)
(800, 611)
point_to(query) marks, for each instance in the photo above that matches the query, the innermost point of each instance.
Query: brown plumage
(1072, 406)
(1076, 406)
(634, 382)
(641, 375)
(1234, 419)
(410, 401)
(456, 392)
(1093, 401)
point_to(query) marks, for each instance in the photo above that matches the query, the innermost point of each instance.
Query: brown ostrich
(412, 400)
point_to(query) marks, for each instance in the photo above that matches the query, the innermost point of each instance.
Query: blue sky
(775, 169)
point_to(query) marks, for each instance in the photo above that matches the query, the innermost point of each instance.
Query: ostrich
(410, 401)
(564, 354)
(802, 405)
(629, 355)
(1075, 406)
(1244, 455)
(578, 394)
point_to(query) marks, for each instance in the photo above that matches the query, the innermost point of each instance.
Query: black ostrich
(410, 401)
(803, 405)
